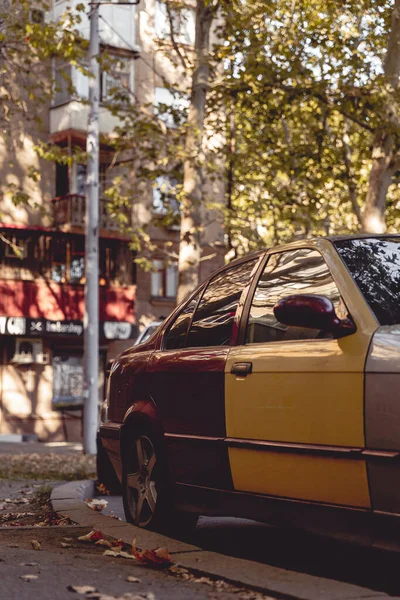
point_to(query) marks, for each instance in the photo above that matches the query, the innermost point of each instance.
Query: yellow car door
(294, 397)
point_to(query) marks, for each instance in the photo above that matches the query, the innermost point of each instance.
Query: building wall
(27, 389)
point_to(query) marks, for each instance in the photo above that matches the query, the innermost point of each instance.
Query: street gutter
(69, 500)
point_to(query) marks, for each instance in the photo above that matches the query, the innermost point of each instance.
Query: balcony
(69, 214)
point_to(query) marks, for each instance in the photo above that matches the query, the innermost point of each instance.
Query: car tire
(146, 491)
(106, 474)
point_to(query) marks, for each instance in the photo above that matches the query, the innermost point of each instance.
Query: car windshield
(374, 264)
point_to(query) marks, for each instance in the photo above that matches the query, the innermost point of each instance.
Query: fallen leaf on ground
(82, 589)
(103, 542)
(96, 505)
(133, 579)
(102, 490)
(29, 564)
(92, 536)
(35, 544)
(67, 539)
(28, 577)
(66, 545)
(158, 558)
(118, 554)
(118, 543)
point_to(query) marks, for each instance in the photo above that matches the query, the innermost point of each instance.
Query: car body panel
(382, 418)
(303, 392)
(188, 389)
(304, 477)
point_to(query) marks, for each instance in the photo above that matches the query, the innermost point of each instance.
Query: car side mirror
(313, 311)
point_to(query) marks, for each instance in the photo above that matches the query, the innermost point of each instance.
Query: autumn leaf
(103, 542)
(158, 558)
(96, 505)
(29, 577)
(102, 490)
(117, 553)
(82, 589)
(35, 544)
(92, 536)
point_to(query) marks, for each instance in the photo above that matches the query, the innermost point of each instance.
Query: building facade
(42, 251)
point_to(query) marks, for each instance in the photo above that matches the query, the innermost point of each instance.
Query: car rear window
(374, 264)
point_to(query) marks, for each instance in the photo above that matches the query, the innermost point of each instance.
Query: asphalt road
(374, 569)
(50, 563)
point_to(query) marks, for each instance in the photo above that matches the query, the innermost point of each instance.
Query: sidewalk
(40, 447)
(69, 500)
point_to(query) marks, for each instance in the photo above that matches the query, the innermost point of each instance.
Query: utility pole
(91, 317)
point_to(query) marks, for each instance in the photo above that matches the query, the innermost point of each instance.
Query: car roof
(355, 236)
(331, 238)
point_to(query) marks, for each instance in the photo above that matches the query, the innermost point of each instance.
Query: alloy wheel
(141, 491)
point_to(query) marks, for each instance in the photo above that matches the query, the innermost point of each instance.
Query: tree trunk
(384, 152)
(189, 247)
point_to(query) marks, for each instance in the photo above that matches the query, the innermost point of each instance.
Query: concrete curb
(69, 500)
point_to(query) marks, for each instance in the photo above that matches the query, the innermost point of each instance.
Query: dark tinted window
(212, 323)
(176, 335)
(375, 266)
(300, 271)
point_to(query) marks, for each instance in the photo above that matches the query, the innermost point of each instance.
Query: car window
(176, 334)
(374, 264)
(301, 271)
(213, 320)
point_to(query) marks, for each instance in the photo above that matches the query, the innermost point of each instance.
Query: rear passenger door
(295, 419)
(186, 379)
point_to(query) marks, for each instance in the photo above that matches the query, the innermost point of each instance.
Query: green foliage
(302, 89)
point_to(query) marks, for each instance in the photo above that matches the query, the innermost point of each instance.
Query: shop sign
(111, 330)
(12, 326)
(117, 330)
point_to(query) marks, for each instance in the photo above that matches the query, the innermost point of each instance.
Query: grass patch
(62, 467)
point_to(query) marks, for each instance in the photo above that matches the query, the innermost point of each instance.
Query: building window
(15, 247)
(164, 196)
(183, 23)
(68, 260)
(62, 83)
(164, 279)
(170, 108)
(117, 80)
(62, 180)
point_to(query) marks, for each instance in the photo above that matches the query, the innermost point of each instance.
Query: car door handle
(242, 368)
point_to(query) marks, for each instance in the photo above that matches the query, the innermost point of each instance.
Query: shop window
(67, 381)
(164, 279)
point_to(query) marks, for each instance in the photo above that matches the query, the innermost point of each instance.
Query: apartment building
(42, 267)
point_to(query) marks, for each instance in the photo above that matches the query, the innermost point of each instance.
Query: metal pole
(91, 318)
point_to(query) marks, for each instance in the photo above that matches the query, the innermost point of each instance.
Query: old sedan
(272, 392)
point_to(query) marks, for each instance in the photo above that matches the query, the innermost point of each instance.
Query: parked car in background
(147, 332)
(272, 392)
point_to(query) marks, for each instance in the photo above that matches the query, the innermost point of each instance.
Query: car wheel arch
(137, 421)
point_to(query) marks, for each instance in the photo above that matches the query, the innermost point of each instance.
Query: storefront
(41, 373)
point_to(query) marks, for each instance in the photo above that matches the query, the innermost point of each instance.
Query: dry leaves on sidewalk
(159, 558)
(96, 505)
(29, 577)
(35, 544)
